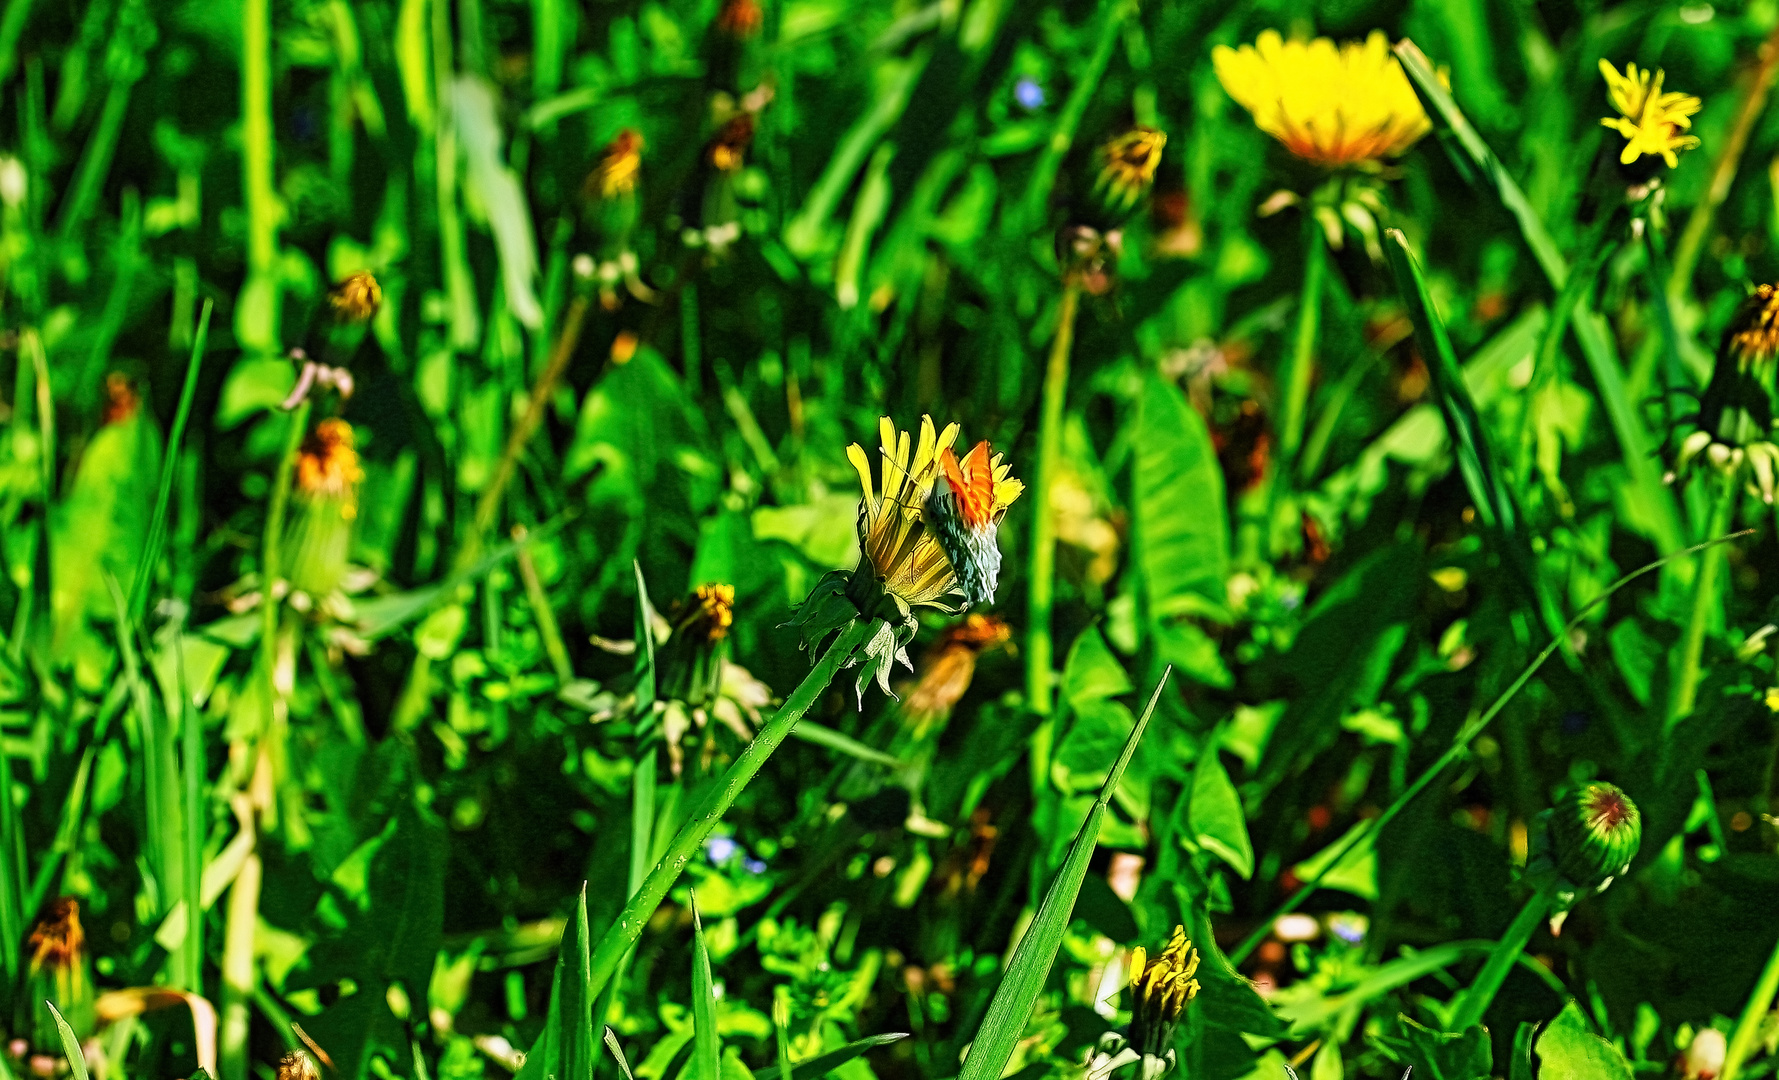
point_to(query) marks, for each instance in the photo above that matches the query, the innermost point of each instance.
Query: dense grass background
(570, 411)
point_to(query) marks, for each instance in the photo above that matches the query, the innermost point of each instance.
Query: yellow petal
(856, 454)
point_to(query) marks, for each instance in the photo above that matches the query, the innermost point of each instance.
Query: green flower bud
(1594, 834)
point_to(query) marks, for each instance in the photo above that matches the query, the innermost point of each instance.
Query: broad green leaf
(1440, 1055)
(1218, 822)
(1569, 1050)
(1004, 1023)
(1092, 671)
(1182, 528)
(1357, 870)
(707, 1048)
(817, 1067)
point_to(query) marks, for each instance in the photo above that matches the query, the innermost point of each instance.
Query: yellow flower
(620, 163)
(907, 557)
(1652, 121)
(711, 612)
(356, 299)
(1334, 106)
(924, 544)
(1161, 989)
(327, 466)
(1127, 166)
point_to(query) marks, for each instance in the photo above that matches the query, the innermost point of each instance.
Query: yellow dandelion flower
(619, 165)
(1347, 105)
(356, 299)
(1127, 166)
(1651, 121)
(906, 556)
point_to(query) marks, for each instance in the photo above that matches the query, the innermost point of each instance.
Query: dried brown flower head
(740, 19)
(121, 398)
(57, 940)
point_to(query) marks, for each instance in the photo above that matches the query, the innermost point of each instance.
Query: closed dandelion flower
(620, 164)
(926, 539)
(1160, 991)
(325, 500)
(691, 660)
(1584, 842)
(1127, 164)
(58, 971)
(57, 941)
(1335, 106)
(728, 149)
(1733, 428)
(1653, 123)
(356, 299)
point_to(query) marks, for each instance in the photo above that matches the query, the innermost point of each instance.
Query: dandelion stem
(623, 933)
(1456, 750)
(1748, 1026)
(272, 543)
(237, 967)
(1038, 674)
(1705, 602)
(1302, 361)
(1501, 959)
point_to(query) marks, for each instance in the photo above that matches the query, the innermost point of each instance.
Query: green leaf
(1440, 1055)
(645, 643)
(1177, 486)
(817, 1067)
(70, 1043)
(1218, 822)
(1357, 870)
(1092, 671)
(811, 732)
(707, 1048)
(1004, 1022)
(1569, 1050)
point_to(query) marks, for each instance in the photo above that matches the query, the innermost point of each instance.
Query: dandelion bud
(325, 498)
(728, 149)
(1594, 833)
(620, 164)
(356, 299)
(1127, 164)
(1734, 425)
(58, 971)
(690, 664)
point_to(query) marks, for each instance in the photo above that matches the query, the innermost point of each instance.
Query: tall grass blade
(151, 552)
(1012, 1003)
(70, 1043)
(707, 1049)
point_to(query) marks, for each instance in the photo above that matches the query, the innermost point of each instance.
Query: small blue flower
(754, 866)
(1029, 94)
(720, 849)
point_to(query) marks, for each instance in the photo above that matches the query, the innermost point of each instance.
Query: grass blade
(70, 1043)
(1005, 1020)
(157, 528)
(817, 1067)
(707, 1049)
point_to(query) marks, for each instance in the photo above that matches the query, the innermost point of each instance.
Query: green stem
(636, 914)
(1296, 378)
(1507, 951)
(258, 183)
(272, 543)
(237, 970)
(1039, 656)
(151, 552)
(1465, 735)
(1760, 1002)
(1705, 602)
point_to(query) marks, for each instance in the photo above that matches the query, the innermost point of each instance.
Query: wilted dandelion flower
(1651, 121)
(325, 498)
(1127, 164)
(1733, 428)
(356, 299)
(620, 163)
(58, 971)
(728, 149)
(297, 1065)
(949, 668)
(691, 660)
(57, 941)
(926, 539)
(740, 19)
(1336, 106)
(1160, 991)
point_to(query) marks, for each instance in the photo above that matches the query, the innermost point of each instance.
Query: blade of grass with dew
(624, 932)
(707, 1049)
(70, 1043)
(151, 551)
(817, 735)
(1013, 1000)
(1465, 734)
(1596, 346)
